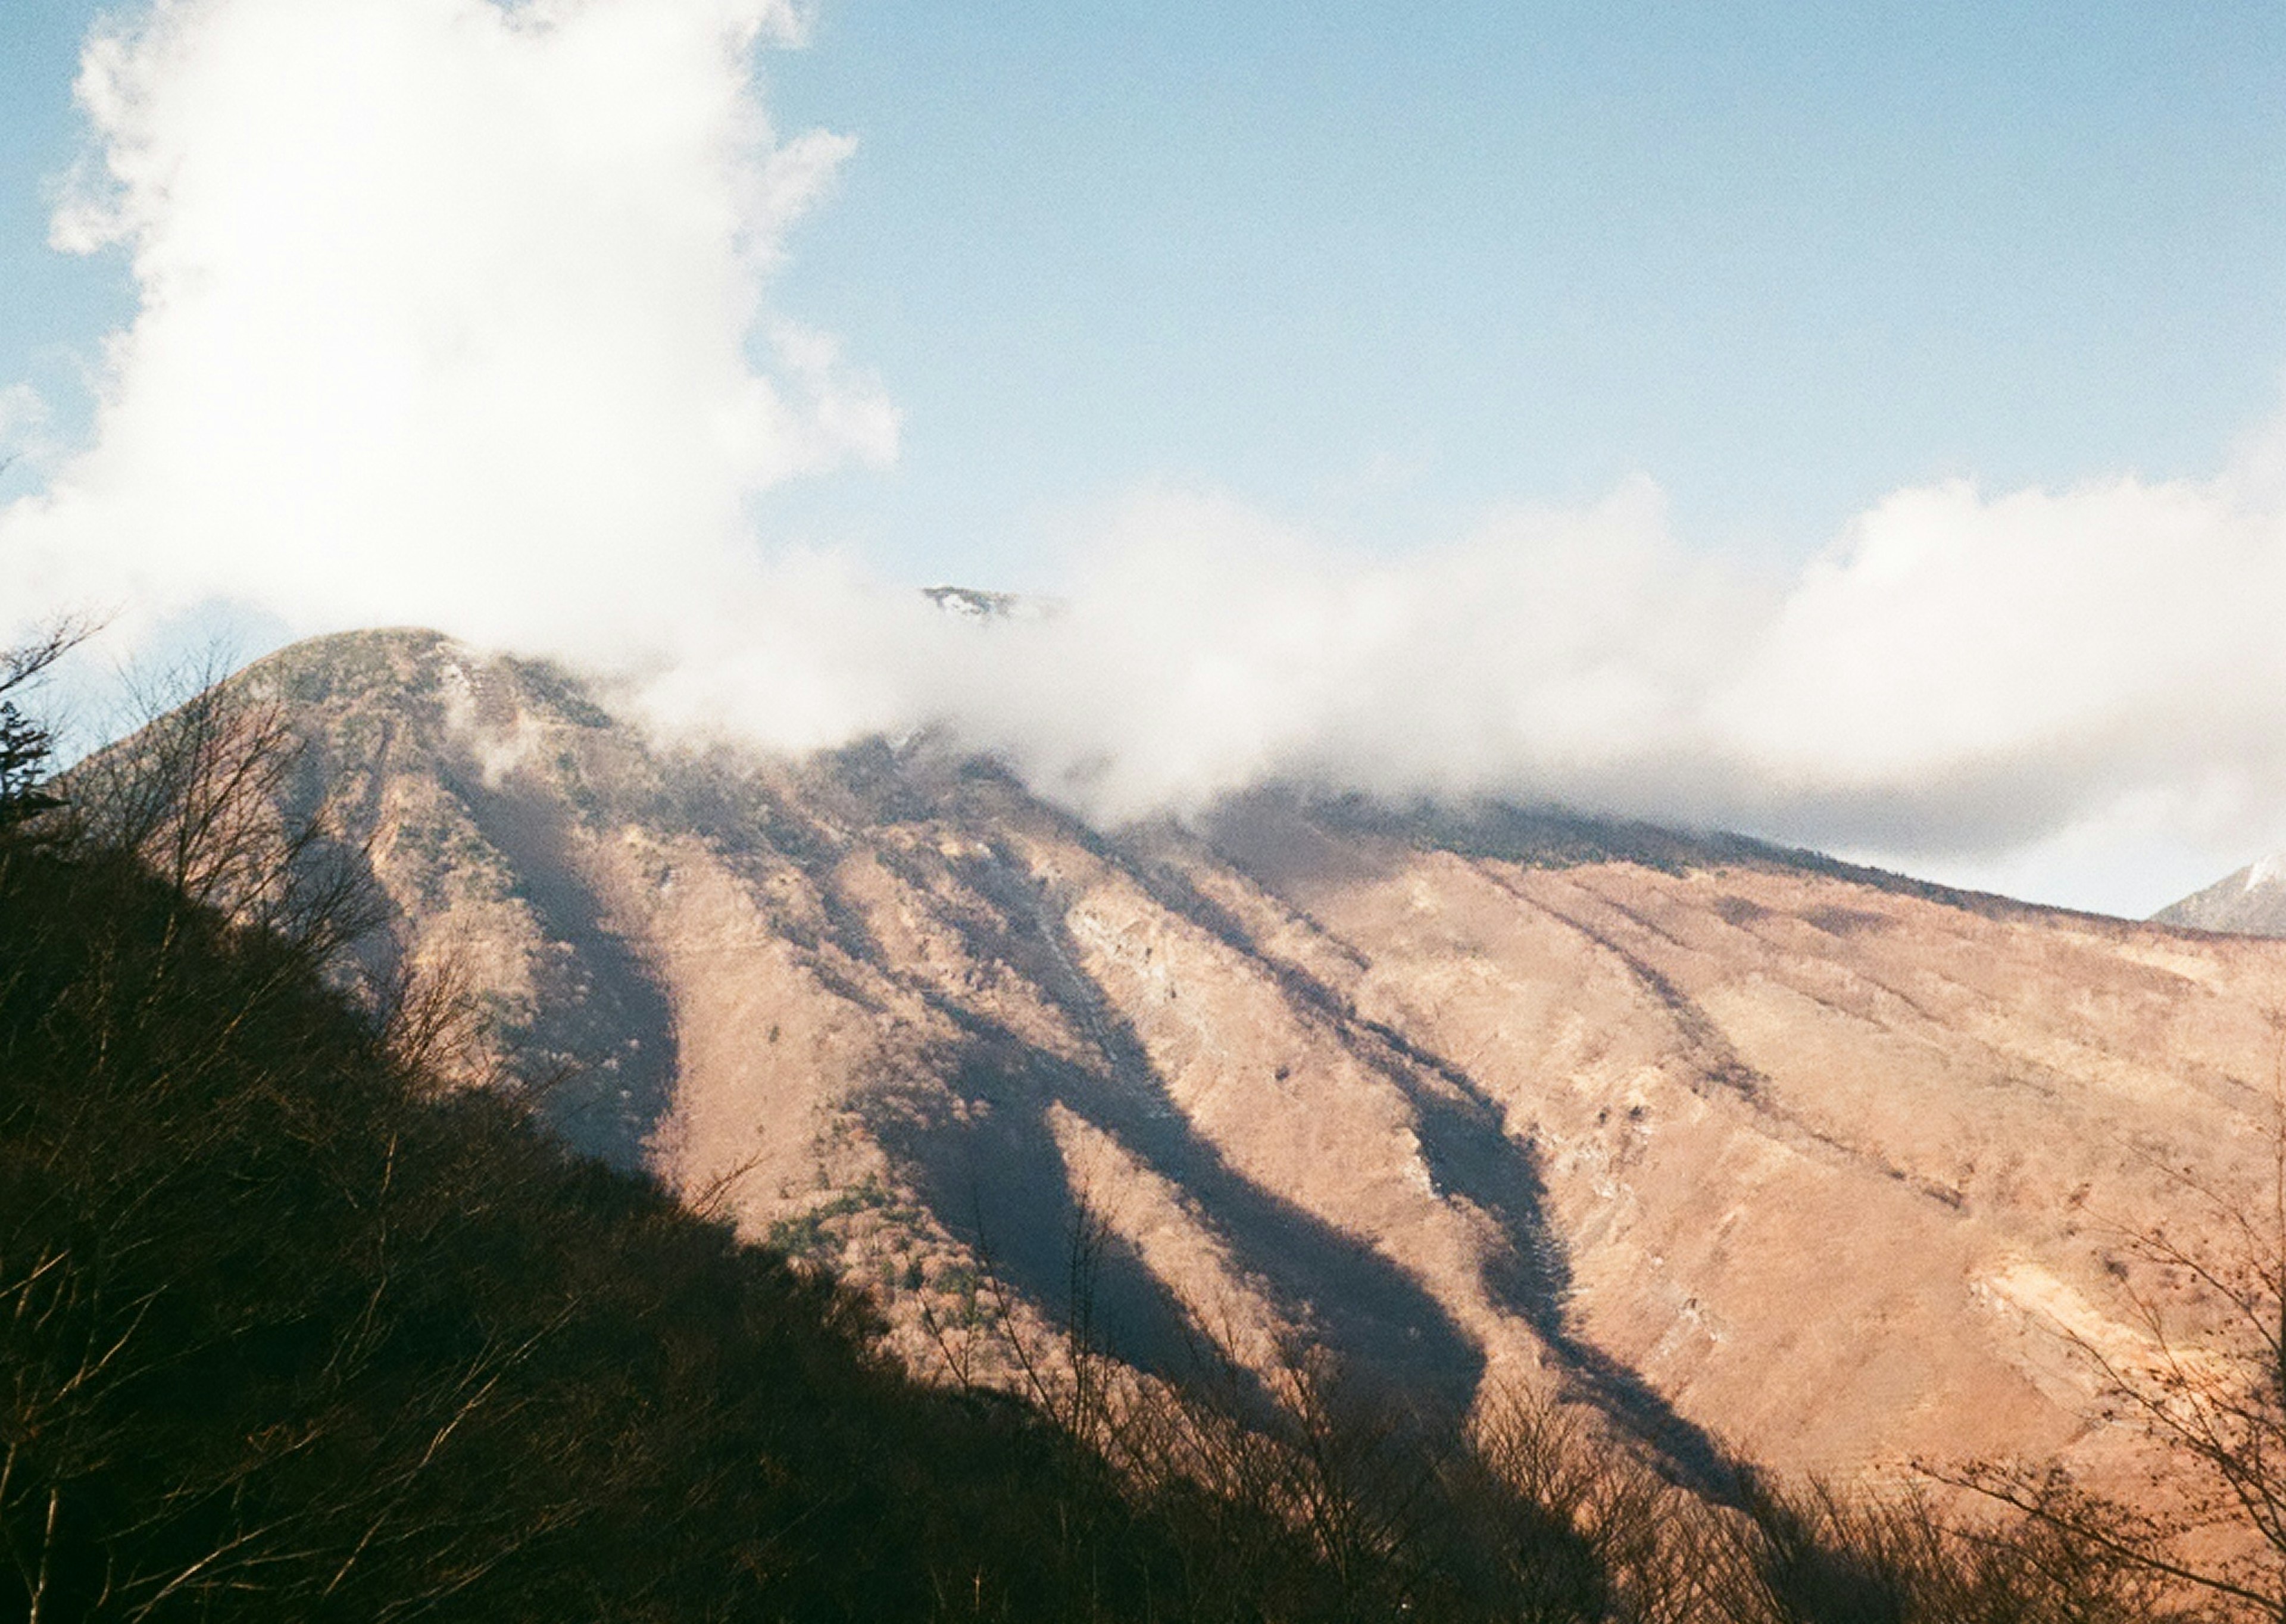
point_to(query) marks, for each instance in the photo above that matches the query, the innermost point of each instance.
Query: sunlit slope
(1755, 1150)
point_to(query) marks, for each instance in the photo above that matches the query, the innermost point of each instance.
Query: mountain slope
(1754, 1150)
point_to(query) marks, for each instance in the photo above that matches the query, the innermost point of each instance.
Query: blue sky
(1378, 268)
(56, 306)
(1862, 425)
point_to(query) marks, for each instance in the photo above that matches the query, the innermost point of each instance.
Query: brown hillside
(1748, 1147)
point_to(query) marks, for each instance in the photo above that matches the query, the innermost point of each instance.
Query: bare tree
(2215, 1403)
(216, 795)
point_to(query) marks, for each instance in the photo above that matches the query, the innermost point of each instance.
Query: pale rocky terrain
(2250, 902)
(1757, 1152)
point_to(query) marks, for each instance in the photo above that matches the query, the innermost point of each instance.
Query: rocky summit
(2250, 902)
(1759, 1152)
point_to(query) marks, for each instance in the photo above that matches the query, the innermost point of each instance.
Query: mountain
(299, 1328)
(1758, 1152)
(2250, 902)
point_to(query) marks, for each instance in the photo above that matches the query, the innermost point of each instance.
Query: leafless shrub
(210, 794)
(2214, 1402)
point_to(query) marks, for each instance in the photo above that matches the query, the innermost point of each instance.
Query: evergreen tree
(25, 749)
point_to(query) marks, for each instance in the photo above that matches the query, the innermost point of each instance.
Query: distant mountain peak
(973, 603)
(2250, 902)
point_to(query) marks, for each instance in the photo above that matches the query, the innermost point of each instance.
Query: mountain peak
(2250, 902)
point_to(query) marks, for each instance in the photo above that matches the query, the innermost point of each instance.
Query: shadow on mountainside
(1001, 1176)
(1000, 1172)
(1465, 1140)
(995, 1175)
(601, 1019)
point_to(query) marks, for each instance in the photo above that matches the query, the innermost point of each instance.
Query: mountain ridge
(1748, 1147)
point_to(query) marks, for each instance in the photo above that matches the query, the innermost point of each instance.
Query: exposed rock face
(2250, 902)
(1745, 1146)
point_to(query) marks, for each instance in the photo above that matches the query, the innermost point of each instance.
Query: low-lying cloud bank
(455, 314)
(1957, 676)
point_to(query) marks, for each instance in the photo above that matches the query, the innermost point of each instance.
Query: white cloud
(2081, 693)
(1552, 652)
(1968, 674)
(449, 313)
